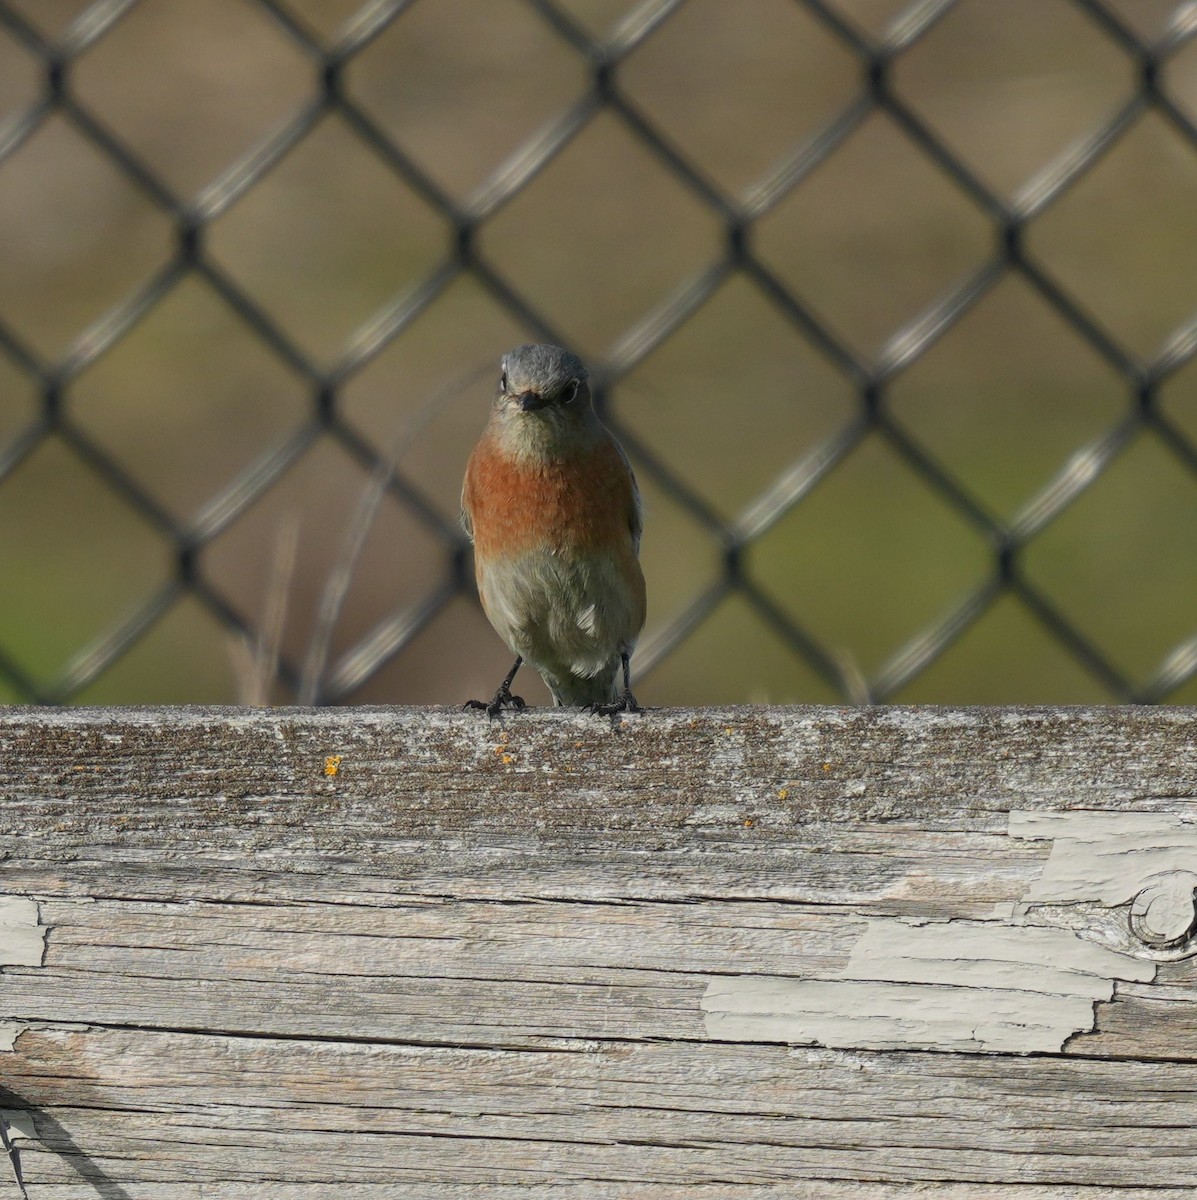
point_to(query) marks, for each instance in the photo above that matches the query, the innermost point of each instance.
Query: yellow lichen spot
(508, 759)
(577, 745)
(783, 793)
(827, 766)
(332, 764)
(728, 729)
(747, 822)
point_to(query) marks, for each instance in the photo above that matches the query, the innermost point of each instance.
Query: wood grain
(408, 952)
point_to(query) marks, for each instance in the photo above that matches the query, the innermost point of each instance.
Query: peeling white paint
(1109, 857)
(22, 944)
(995, 985)
(952, 985)
(1026, 958)
(22, 938)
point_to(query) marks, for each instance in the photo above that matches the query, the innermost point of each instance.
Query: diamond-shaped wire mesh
(892, 305)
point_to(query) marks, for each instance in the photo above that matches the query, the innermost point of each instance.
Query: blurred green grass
(330, 237)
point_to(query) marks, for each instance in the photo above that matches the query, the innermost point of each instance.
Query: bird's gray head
(545, 381)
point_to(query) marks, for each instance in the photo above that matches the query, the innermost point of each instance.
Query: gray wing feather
(636, 519)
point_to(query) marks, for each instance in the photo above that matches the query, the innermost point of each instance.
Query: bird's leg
(503, 697)
(626, 702)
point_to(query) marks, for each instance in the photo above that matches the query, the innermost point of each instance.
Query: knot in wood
(1163, 916)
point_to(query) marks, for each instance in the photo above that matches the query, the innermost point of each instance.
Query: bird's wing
(635, 515)
(465, 519)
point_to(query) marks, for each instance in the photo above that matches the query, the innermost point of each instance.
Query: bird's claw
(626, 703)
(503, 699)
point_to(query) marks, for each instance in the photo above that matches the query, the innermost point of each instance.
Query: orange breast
(582, 504)
(576, 507)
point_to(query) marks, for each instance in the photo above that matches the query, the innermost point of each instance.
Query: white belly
(571, 618)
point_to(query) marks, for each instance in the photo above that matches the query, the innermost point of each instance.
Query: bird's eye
(503, 381)
(569, 391)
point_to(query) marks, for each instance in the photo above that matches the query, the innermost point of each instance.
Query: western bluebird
(553, 510)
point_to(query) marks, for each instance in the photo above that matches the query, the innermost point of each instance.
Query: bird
(553, 510)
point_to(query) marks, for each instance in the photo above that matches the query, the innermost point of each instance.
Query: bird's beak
(530, 401)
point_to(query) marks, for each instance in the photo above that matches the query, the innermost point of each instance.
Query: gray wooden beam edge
(859, 954)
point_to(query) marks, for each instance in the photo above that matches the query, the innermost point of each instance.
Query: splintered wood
(860, 954)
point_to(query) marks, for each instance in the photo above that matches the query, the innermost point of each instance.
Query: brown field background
(330, 237)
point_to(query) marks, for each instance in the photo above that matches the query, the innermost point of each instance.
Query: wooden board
(859, 954)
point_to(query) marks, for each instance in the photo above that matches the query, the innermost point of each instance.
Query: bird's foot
(502, 699)
(626, 703)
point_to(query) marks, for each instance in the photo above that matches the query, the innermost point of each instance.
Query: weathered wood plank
(204, 781)
(695, 953)
(792, 1189)
(507, 974)
(599, 1190)
(241, 1108)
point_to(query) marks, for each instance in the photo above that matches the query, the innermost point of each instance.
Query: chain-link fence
(892, 306)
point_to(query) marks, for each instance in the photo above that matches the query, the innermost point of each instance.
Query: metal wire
(735, 255)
